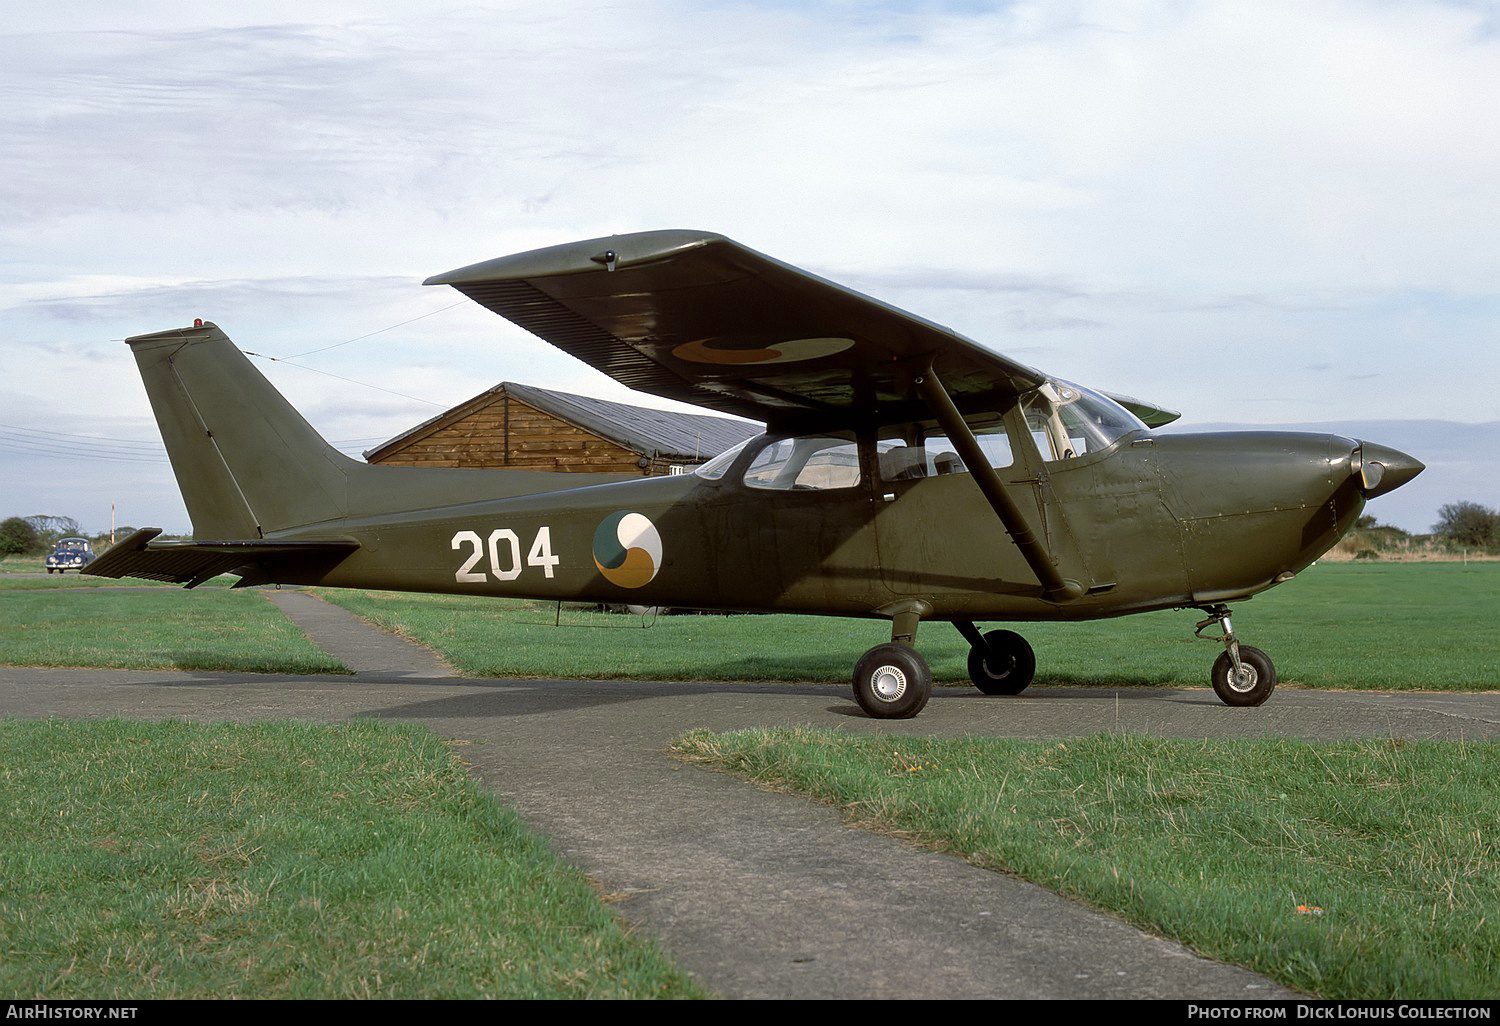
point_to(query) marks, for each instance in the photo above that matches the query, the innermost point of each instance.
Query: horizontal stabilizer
(256, 561)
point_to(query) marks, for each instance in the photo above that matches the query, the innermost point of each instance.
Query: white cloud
(1158, 197)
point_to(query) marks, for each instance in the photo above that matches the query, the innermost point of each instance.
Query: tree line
(1470, 525)
(36, 534)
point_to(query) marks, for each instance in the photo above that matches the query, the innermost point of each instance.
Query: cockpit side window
(806, 462)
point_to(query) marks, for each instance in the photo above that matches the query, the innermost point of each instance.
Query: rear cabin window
(804, 463)
(909, 452)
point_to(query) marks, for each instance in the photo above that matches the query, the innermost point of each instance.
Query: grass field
(174, 860)
(1351, 870)
(151, 629)
(1422, 626)
(168, 864)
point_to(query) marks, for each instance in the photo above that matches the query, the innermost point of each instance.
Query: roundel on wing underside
(627, 549)
(795, 350)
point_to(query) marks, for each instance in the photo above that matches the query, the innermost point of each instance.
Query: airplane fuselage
(1155, 521)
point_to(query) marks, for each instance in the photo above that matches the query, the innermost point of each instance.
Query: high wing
(697, 317)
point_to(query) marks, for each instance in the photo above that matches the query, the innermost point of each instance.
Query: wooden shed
(515, 425)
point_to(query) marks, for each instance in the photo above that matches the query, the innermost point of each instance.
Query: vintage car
(70, 554)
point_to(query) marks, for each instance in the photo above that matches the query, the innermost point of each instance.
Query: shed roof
(686, 436)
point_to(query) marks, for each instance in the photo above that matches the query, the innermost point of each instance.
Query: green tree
(17, 537)
(1469, 523)
(50, 528)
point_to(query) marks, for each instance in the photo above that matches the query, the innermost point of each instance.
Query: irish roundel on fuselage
(627, 549)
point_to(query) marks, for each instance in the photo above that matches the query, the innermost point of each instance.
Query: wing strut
(1055, 587)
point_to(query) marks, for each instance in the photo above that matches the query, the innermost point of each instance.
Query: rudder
(247, 462)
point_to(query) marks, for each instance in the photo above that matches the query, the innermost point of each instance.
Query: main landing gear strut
(891, 681)
(1242, 675)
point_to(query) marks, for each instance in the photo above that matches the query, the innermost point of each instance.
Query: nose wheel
(1000, 662)
(1242, 675)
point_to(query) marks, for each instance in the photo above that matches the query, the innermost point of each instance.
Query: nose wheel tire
(892, 682)
(1254, 682)
(1005, 666)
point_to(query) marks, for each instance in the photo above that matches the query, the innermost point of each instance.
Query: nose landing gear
(1000, 662)
(1242, 675)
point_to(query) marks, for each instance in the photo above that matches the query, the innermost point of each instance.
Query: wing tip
(580, 257)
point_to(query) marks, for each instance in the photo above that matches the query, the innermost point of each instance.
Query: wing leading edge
(697, 317)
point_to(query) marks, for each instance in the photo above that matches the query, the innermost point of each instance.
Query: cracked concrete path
(359, 646)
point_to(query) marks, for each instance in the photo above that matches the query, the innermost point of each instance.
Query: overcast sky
(1258, 211)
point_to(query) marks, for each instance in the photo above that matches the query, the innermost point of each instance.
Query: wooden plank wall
(510, 433)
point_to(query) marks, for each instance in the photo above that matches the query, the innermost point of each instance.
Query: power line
(362, 384)
(63, 446)
(31, 447)
(67, 445)
(125, 444)
(310, 352)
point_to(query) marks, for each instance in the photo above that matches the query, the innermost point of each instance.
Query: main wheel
(1252, 685)
(1006, 668)
(892, 682)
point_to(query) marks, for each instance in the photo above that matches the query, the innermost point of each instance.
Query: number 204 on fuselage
(906, 474)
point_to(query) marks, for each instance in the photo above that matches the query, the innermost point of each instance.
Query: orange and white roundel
(627, 549)
(792, 350)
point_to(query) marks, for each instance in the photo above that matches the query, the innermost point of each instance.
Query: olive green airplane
(906, 474)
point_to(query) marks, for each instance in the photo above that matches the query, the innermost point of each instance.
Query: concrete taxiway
(761, 894)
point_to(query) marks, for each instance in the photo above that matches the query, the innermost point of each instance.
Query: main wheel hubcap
(888, 683)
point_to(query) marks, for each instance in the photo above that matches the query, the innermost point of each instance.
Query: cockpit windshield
(1068, 420)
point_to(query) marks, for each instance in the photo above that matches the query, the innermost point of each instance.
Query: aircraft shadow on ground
(503, 697)
(521, 698)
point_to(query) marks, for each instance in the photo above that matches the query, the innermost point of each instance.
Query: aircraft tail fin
(248, 464)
